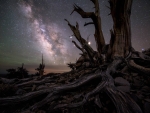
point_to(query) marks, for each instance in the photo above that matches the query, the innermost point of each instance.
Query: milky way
(30, 28)
(48, 35)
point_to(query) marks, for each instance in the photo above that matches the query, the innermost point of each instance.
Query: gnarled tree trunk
(120, 44)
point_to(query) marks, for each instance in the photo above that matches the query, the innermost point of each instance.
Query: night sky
(30, 28)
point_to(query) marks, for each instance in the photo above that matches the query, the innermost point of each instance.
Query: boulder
(124, 88)
(121, 81)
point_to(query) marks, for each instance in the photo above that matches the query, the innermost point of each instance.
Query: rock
(121, 81)
(124, 88)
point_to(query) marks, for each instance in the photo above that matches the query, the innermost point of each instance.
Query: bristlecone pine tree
(113, 79)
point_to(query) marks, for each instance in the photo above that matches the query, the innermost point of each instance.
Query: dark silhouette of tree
(20, 72)
(40, 69)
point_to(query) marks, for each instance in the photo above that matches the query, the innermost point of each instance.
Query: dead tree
(107, 87)
(41, 67)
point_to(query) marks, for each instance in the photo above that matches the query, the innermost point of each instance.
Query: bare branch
(82, 12)
(88, 23)
(78, 46)
(95, 16)
(67, 21)
(93, 1)
(96, 5)
(77, 25)
(76, 32)
(99, 38)
(82, 41)
(107, 6)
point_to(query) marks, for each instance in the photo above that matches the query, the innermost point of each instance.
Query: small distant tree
(20, 72)
(40, 69)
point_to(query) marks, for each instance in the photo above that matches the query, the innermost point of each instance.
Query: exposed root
(123, 103)
(100, 86)
(62, 89)
(105, 84)
(18, 99)
(138, 68)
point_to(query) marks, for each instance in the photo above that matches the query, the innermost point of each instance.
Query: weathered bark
(109, 51)
(136, 67)
(120, 12)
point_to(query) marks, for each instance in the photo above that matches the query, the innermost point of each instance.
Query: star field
(30, 28)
